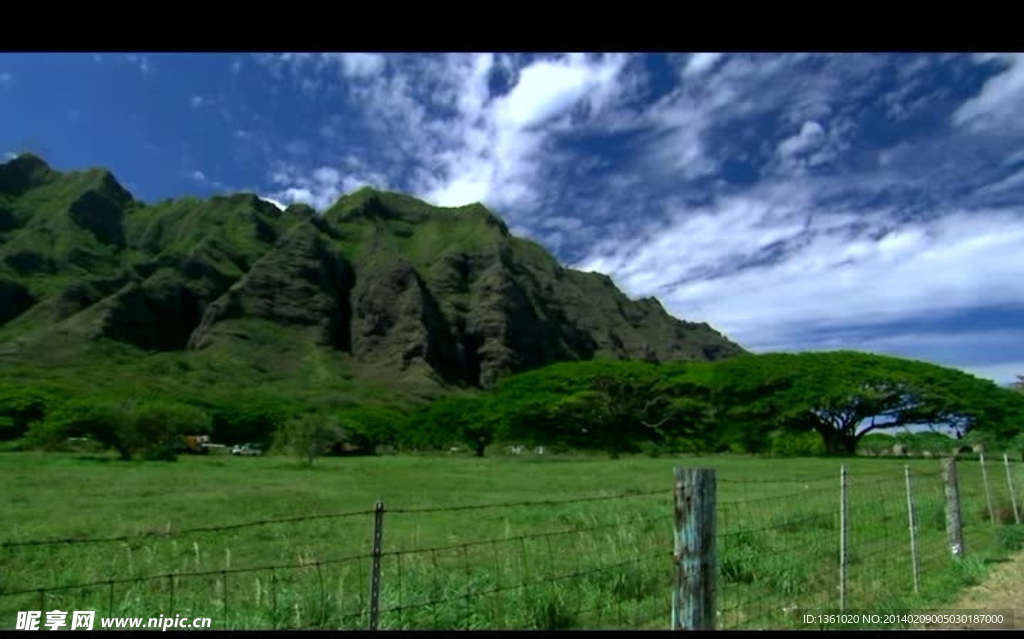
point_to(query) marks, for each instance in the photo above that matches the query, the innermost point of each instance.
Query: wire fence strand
(589, 562)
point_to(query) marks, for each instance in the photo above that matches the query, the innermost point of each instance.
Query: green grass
(778, 539)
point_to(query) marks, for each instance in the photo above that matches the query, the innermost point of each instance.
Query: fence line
(304, 518)
(772, 551)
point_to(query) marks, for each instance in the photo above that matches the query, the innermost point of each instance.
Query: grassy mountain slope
(381, 296)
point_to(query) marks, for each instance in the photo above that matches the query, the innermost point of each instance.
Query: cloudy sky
(795, 202)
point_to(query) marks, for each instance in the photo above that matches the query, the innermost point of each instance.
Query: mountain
(381, 287)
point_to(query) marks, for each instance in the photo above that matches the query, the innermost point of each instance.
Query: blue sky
(793, 201)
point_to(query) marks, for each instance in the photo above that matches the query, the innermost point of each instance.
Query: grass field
(596, 552)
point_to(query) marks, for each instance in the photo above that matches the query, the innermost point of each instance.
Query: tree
(845, 395)
(150, 428)
(1018, 385)
(250, 416)
(620, 407)
(20, 406)
(371, 426)
(309, 436)
(463, 418)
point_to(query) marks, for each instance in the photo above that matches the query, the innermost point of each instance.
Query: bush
(372, 426)
(652, 449)
(251, 419)
(20, 406)
(309, 436)
(785, 443)
(152, 429)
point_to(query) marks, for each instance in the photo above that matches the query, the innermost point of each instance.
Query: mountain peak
(382, 284)
(22, 173)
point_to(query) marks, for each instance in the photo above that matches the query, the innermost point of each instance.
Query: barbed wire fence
(744, 553)
(889, 540)
(597, 561)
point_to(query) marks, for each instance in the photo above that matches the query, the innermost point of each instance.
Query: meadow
(499, 542)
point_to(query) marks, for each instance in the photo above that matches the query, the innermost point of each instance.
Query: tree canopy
(845, 395)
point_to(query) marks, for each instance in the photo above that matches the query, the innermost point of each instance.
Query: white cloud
(437, 112)
(700, 63)
(998, 104)
(6, 79)
(675, 129)
(811, 137)
(10, 155)
(548, 89)
(717, 264)
(771, 265)
(496, 156)
(326, 175)
(1008, 183)
(562, 223)
(141, 61)
(361, 65)
(198, 176)
(326, 184)
(305, 196)
(273, 201)
(197, 101)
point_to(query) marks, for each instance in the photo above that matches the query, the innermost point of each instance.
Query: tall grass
(589, 564)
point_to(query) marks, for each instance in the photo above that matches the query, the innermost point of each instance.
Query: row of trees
(807, 403)
(783, 403)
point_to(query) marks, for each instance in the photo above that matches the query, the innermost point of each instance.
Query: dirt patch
(1003, 590)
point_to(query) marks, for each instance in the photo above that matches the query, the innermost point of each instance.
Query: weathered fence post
(693, 599)
(1013, 493)
(378, 539)
(844, 535)
(988, 492)
(954, 528)
(912, 516)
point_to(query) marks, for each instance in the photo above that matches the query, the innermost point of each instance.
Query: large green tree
(309, 436)
(150, 428)
(466, 419)
(602, 405)
(844, 395)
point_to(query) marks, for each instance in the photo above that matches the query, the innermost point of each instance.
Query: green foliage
(466, 419)
(845, 395)
(309, 436)
(150, 428)
(384, 304)
(920, 441)
(612, 406)
(20, 405)
(250, 417)
(796, 444)
(372, 426)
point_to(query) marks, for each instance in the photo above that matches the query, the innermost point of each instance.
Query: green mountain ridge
(380, 286)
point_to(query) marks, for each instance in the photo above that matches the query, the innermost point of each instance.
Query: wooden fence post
(1013, 493)
(844, 535)
(954, 527)
(912, 516)
(693, 599)
(378, 542)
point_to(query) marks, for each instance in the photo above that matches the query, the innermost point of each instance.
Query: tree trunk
(850, 444)
(835, 443)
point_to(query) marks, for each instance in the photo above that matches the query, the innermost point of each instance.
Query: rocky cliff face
(380, 278)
